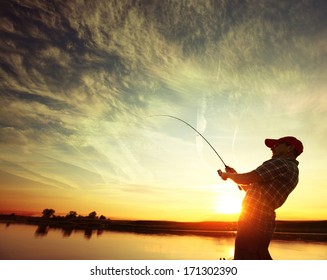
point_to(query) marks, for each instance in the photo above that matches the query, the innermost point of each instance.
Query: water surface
(29, 242)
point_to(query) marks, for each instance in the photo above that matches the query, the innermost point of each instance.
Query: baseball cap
(288, 140)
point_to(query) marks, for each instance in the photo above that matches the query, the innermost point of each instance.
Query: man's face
(280, 149)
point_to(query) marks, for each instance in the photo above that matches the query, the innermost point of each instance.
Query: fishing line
(169, 116)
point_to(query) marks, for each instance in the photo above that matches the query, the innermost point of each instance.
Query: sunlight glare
(229, 201)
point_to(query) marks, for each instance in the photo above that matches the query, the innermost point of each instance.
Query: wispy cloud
(79, 78)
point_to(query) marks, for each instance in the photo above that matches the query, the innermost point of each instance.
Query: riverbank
(285, 230)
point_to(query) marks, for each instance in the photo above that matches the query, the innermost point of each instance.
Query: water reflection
(42, 230)
(20, 242)
(66, 232)
(88, 233)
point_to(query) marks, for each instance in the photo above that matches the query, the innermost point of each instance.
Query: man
(267, 188)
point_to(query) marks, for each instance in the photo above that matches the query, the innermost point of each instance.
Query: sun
(228, 205)
(229, 201)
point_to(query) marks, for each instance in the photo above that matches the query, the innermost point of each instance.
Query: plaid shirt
(279, 178)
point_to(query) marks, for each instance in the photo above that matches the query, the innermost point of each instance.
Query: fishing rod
(169, 116)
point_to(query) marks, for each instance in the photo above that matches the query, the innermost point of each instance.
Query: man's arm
(241, 179)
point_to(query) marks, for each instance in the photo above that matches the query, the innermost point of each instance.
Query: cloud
(79, 78)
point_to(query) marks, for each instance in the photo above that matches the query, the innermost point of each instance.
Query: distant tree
(102, 217)
(47, 213)
(71, 214)
(93, 215)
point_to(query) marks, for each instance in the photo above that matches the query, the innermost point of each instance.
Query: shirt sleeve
(271, 169)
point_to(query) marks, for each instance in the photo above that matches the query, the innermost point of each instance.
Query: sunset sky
(80, 82)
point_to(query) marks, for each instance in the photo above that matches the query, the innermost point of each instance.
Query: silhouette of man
(267, 188)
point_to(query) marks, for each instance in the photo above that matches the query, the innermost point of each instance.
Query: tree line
(50, 213)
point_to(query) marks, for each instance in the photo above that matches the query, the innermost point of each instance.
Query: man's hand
(223, 175)
(230, 169)
(226, 175)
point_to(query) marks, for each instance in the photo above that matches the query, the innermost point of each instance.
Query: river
(28, 242)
